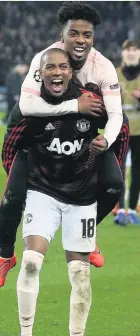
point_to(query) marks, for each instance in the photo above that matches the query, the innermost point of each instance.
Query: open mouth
(57, 85)
(79, 51)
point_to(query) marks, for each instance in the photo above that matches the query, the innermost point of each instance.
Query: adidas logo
(49, 127)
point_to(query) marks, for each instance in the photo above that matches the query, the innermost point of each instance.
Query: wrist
(106, 144)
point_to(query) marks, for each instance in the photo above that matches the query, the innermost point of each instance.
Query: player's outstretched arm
(31, 104)
(113, 105)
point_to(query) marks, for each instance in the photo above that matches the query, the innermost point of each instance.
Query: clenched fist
(99, 144)
(90, 105)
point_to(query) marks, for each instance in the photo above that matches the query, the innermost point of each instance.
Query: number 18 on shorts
(47, 214)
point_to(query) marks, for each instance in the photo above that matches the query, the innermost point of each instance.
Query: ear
(71, 74)
(61, 37)
(41, 74)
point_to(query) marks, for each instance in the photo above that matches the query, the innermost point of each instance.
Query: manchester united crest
(28, 218)
(83, 125)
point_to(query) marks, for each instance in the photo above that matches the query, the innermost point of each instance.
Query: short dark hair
(55, 50)
(130, 43)
(75, 10)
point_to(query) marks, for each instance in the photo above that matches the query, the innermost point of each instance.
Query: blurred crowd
(26, 27)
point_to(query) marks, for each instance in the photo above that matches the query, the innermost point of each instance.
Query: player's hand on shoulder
(87, 104)
(99, 144)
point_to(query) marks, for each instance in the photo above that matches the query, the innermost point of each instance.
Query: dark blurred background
(28, 27)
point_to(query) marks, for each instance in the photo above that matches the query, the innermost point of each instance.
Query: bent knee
(10, 199)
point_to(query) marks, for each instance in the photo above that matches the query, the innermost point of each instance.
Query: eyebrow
(85, 32)
(63, 63)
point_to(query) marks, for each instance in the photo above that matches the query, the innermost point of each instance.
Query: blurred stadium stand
(27, 27)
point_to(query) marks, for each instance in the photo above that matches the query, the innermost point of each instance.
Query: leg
(28, 281)
(127, 174)
(12, 204)
(121, 217)
(120, 148)
(138, 206)
(11, 213)
(39, 227)
(135, 172)
(122, 197)
(80, 300)
(110, 185)
(79, 235)
(135, 179)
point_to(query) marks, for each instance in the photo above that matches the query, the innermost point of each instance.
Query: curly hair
(75, 10)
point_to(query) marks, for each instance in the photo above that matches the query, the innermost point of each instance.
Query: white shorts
(43, 215)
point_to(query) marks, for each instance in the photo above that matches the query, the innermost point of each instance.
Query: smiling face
(78, 36)
(56, 72)
(131, 56)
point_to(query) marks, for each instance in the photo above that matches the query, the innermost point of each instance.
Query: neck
(76, 65)
(131, 71)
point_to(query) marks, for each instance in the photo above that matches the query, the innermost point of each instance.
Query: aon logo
(65, 147)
